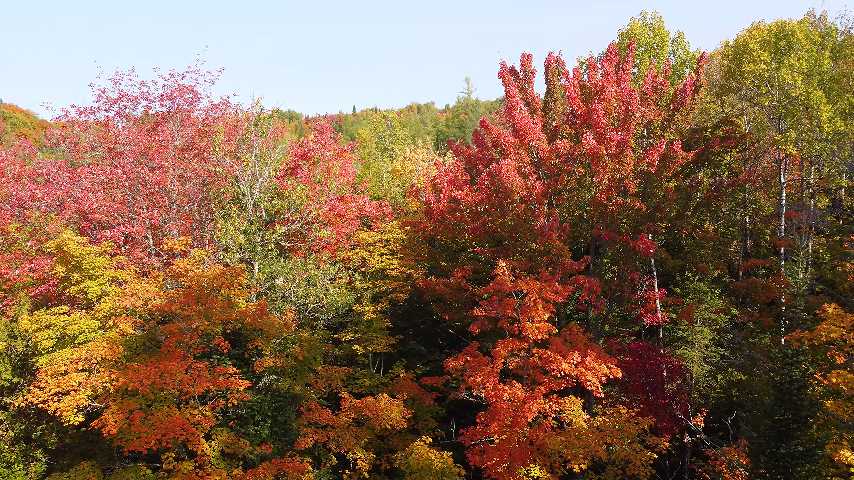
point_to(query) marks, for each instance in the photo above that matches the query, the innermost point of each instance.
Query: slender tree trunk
(657, 300)
(592, 327)
(589, 399)
(745, 239)
(658, 315)
(686, 456)
(811, 225)
(744, 254)
(781, 227)
(782, 167)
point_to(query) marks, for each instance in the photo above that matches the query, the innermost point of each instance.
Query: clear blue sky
(322, 56)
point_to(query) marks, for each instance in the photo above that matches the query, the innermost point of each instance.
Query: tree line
(642, 271)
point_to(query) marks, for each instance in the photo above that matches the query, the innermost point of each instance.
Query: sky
(317, 56)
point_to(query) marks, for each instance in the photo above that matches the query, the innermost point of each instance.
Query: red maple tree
(515, 227)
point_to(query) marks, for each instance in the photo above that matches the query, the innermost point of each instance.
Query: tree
(420, 461)
(591, 280)
(461, 119)
(509, 227)
(147, 161)
(358, 430)
(294, 209)
(656, 47)
(146, 360)
(56, 294)
(775, 81)
(319, 179)
(391, 160)
(776, 86)
(17, 123)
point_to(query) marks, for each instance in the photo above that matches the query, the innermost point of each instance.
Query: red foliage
(25, 266)
(592, 163)
(524, 378)
(145, 162)
(654, 382)
(523, 388)
(323, 169)
(726, 463)
(646, 301)
(170, 386)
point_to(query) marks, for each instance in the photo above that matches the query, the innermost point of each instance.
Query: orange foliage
(278, 468)
(834, 337)
(351, 431)
(727, 463)
(175, 378)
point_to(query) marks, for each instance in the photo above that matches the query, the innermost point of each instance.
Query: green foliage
(778, 75)
(776, 90)
(702, 336)
(294, 121)
(84, 471)
(383, 278)
(133, 472)
(20, 457)
(656, 46)
(422, 123)
(249, 235)
(459, 120)
(392, 160)
(416, 120)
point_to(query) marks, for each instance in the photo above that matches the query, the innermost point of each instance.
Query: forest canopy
(642, 271)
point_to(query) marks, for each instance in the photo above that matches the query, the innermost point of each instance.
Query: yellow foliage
(615, 444)
(70, 341)
(420, 461)
(16, 123)
(391, 161)
(86, 272)
(83, 471)
(834, 336)
(384, 278)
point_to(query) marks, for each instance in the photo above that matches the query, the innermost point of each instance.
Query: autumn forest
(640, 270)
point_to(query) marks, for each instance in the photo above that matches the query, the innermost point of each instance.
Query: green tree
(461, 119)
(656, 46)
(391, 159)
(775, 83)
(776, 90)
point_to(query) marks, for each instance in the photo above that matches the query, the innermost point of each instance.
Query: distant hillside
(424, 122)
(17, 122)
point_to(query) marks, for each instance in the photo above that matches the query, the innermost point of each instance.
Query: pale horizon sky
(325, 56)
